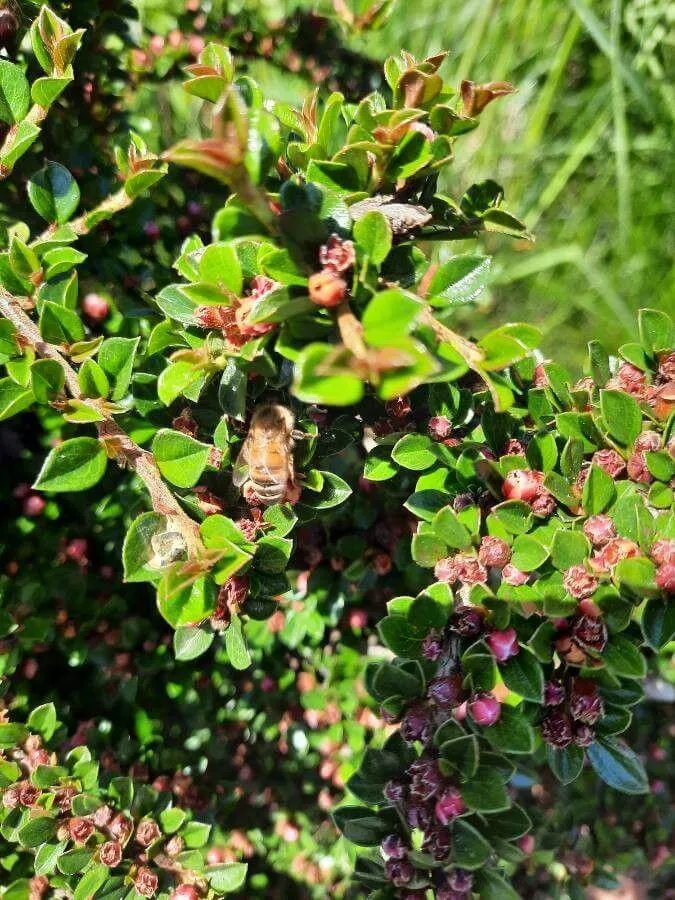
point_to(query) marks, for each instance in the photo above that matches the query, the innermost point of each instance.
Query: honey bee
(265, 460)
(167, 547)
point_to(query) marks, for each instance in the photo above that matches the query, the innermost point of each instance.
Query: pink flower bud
(665, 577)
(503, 644)
(185, 892)
(599, 530)
(95, 307)
(494, 551)
(514, 576)
(579, 583)
(520, 484)
(484, 709)
(449, 805)
(440, 428)
(610, 461)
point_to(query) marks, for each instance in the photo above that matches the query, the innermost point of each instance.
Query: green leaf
(373, 236)
(116, 358)
(542, 452)
(599, 491)
(47, 856)
(75, 465)
(390, 315)
(397, 634)
(427, 549)
(60, 325)
(47, 379)
(569, 548)
(13, 398)
(378, 465)
(226, 877)
(637, 576)
(14, 93)
(415, 451)
(12, 734)
(180, 458)
(460, 753)
(622, 416)
(469, 847)
(511, 733)
(43, 720)
(461, 279)
(618, 766)
(92, 380)
(44, 91)
(514, 515)
(318, 379)
(658, 622)
(334, 491)
(53, 193)
(362, 826)
(447, 526)
(232, 390)
(73, 861)
(219, 265)
(510, 824)
(657, 332)
(235, 644)
(485, 792)
(528, 553)
(566, 763)
(172, 819)
(186, 605)
(523, 675)
(489, 885)
(190, 643)
(36, 831)
(91, 881)
(137, 549)
(622, 657)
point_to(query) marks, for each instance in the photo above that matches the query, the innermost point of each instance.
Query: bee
(402, 217)
(167, 548)
(265, 460)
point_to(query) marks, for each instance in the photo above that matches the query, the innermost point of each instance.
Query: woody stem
(128, 453)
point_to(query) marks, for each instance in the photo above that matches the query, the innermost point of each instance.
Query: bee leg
(298, 435)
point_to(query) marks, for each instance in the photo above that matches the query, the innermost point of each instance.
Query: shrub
(314, 439)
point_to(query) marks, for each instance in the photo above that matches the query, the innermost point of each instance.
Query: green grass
(584, 152)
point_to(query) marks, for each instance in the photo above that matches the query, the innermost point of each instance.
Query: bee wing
(240, 467)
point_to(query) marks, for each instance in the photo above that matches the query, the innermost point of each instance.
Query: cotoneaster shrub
(517, 523)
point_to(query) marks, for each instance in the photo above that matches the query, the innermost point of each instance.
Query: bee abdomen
(269, 491)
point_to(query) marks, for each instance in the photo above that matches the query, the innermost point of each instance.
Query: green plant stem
(118, 443)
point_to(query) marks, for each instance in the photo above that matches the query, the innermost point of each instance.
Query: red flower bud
(327, 289)
(146, 881)
(610, 461)
(110, 854)
(147, 831)
(663, 552)
(579, 583)
(337, 255)
(80, 829)
(185, 892)
(446, 691)
(494, 552)
(585, 702)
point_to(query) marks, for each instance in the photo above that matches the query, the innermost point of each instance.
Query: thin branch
(83, 224)
(35, 114)
(117, 441)
(471, 354)
(351, 330)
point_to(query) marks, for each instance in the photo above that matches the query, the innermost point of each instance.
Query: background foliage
(582, 153)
